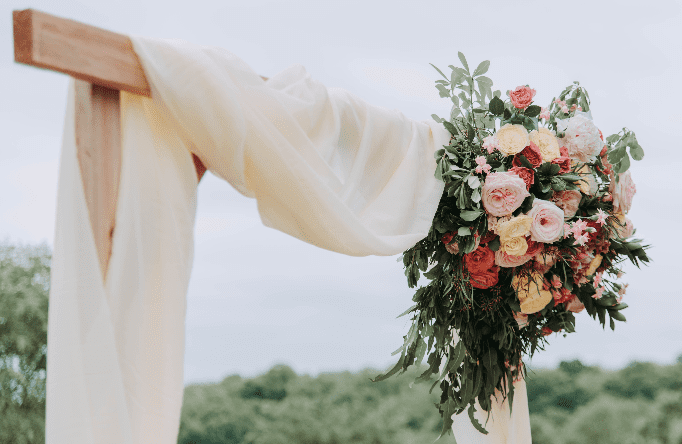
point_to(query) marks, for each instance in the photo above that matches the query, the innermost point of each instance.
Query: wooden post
(98, 148)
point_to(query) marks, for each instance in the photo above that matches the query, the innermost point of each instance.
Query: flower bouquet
(530, 231)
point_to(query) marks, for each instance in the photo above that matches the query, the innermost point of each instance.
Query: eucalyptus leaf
(464, 61)
(439, 71)
(473, 182)
(482, 68)
(470, 215)
(464, 231)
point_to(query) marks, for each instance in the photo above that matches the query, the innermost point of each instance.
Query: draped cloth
(324, 166)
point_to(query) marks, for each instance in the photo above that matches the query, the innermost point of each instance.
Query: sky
(258, 297)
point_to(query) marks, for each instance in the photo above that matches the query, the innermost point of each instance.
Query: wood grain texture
(98, 147)
(85, 52)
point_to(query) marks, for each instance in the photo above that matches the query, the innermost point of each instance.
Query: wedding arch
(144, 123)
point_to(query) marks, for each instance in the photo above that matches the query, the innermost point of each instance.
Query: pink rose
(521, 97)
(527, 175)
(582, 138)
(505, 260)
(575, 305)
(503, 193)
(623, 192)
(548, 222)
(568, 201)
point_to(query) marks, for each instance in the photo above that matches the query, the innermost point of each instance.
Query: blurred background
(257, 297)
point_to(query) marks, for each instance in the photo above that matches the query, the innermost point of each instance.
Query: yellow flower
(512, 139)
(596, 262)
(587, 183)
(529, 288)
(516, 227)
(547, 143)
(514, 246)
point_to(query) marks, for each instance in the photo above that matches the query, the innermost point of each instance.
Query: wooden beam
(85, 52)
(82, 51)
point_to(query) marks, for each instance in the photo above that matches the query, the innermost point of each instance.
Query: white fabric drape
(324, 166)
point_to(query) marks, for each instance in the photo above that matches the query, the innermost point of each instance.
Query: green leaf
(623, 165)
(616, 154)
(476, 196)
(436, 118)
(450, 127)
(496, 106)
(485, 81)
(392, 371)
(618, 316)
(612, 138)
(464, 61)
(482, 68)
(464, 231)
(494, 244)
(477, 425)
(406, 311)
(470, 215)
(443, 91)
(473, 182)
(439, 71)
(470, 132)
(533, 111)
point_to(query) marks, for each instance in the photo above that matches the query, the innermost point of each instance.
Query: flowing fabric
(324, 166)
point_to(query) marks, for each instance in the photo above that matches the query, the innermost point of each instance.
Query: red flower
(546, 331)
(489, 235)
(447, 237)
(533, 247)
(486, 279)
(480, 260)
(564, 164)
(527, 175)
(532, 153)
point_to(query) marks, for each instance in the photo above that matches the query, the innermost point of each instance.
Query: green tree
(24, 286)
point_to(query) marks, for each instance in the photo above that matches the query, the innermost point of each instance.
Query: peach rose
(587, 184)
(522, 97)
(548, 222)
(505, 260)
(569, 201)
(514, 227)
(514, 246)
(512, 139)
(529, 289)
(547, 143)
(594, 264)
(623, 192)
(503, 193)
(574, 305)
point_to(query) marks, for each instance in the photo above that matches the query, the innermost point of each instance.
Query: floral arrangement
(530, 231)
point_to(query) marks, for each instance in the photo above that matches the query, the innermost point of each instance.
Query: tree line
(570, 404)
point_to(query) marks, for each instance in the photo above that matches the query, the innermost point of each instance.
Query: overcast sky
(258, 297)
